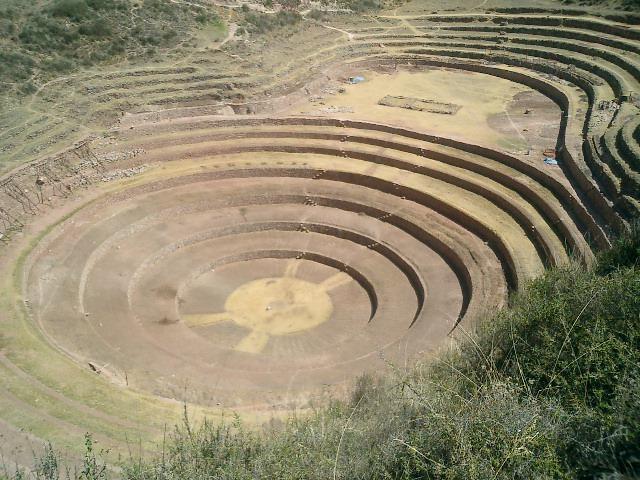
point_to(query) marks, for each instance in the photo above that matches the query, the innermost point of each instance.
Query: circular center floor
(256, 288)
(266, 307)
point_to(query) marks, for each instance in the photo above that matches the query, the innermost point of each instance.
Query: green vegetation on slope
(39, 41)
(262, 22)
(628, 5)
(548, 388)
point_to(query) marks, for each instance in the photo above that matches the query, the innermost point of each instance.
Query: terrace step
(222, 145)
(630, 180)
(503, 168)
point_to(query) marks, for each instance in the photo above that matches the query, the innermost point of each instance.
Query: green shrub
(73, 9)
(108, 5)
(573, 336)
(96, 28)
(28, 88)
(15, 65)
(58, 64)
(291, 5)
(625, 251)
(318, 15)
(263, 22)
(362, 5)
(202, 18)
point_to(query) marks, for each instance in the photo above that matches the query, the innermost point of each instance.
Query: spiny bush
(74, 10)
(263, 22)
(317, 15)
(361, 6)
(625, 251)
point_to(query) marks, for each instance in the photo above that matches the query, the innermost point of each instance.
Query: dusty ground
(238, 333)
(492, 110)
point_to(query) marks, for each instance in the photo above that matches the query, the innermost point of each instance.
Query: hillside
(43, 40)
(334, 239)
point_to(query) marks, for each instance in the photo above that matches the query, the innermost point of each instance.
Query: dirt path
(480, 5)
(233, 28)
(410, 26)
(349, 35)
(45, 85)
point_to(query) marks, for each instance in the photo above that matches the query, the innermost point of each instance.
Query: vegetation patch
(40, 41)
(361, 6)
(264, 22)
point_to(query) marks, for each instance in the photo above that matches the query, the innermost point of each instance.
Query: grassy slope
(548, 388)
(42, 40)
(53, 51)
(628, 5)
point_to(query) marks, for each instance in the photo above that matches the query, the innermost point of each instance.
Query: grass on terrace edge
(547, 388)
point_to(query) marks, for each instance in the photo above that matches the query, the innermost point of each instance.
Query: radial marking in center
(271, 307)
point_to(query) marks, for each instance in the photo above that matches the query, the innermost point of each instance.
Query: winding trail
(350, 36)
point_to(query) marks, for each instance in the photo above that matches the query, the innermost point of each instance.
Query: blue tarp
(356, 79)
(550, 161)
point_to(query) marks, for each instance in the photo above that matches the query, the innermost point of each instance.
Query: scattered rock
(336, 109)
(124, 173)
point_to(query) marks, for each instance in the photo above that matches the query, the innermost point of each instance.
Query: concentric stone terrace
(258, 260)
(257, 269)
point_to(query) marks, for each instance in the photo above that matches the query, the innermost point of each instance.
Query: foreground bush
(547, 388)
